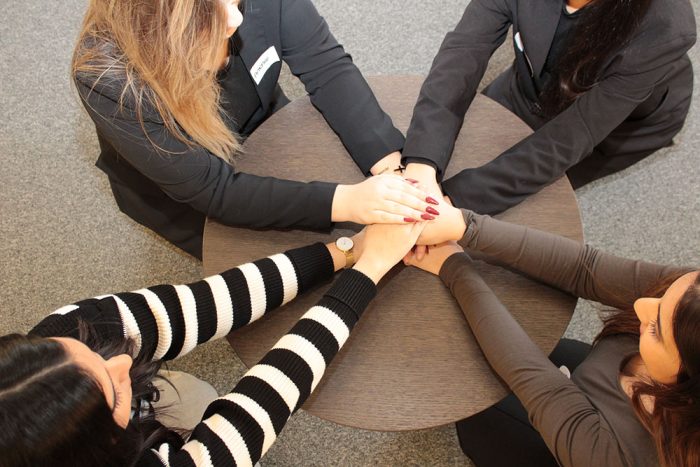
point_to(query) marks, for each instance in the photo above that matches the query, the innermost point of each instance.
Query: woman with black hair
(77, 390)
(631, 399)
(604, 83)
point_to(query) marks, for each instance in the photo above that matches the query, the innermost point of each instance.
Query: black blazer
(172, 193)
(638, 83)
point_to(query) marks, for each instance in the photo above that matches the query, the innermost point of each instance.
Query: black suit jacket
(635, 82)
(172, 192)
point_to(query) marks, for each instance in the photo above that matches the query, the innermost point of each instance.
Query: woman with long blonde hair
(171, 87)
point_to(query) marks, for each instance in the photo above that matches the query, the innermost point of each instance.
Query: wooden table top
(411, 362)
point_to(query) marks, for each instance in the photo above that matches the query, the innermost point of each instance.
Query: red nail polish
(409, 219)
(432, 210)
(431, 200)
(427, 217)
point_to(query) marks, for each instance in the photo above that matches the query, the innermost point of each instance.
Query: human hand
(382, 199)
(424, 176)
(435, 257)
(384, 245)
(449, 226)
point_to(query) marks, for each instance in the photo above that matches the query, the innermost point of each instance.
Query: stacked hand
(402, 221)
(382, 199)
(425, 177)
(434, 259)
(384, 245)
(380, 246)
(449, 226)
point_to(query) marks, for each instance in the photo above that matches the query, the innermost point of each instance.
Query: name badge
(262, 64)
(519, 42)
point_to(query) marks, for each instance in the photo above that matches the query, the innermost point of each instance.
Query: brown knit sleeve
(582, 270)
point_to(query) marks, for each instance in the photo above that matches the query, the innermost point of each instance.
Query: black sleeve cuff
(354, 289)
(313, 265)
(322, 203)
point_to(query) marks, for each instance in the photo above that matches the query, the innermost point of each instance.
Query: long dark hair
(673, 422)
(603, 28)
(54, 412)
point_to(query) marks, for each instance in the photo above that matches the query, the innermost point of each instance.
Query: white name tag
(519, 42)
(266, 60)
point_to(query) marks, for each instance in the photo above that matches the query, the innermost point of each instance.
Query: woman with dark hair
(78, 390)
(172, 86)
(603, 84)
(633, 399)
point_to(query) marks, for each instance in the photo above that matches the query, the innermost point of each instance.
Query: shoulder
(106, 88)
(663, 37)
(668, 22)
(111, 94)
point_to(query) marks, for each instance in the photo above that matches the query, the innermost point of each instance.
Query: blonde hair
(163, 53)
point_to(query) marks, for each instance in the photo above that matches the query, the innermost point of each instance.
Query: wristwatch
(345, 244)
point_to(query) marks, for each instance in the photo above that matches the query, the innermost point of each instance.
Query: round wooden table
(411, 362)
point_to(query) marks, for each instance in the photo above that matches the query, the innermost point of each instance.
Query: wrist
(423, 170)
(375, 270)
(337, 256)
(388, 164)
(339, 206)
(459, 225)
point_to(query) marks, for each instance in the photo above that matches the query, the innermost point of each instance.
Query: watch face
(344, 243)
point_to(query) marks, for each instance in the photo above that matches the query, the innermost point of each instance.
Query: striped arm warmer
(240, 427)
(168, 321)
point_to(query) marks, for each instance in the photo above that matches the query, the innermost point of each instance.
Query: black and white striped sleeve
(168, 321)
(240, 427)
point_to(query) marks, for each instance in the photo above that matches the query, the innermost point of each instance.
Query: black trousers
(502, 436)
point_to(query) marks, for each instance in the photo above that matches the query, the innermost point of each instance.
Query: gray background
(63, 238)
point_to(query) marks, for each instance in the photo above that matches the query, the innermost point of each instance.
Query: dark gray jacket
(648, 83)
(173, 193)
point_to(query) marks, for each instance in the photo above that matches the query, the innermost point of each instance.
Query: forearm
(336, 86)
(504, 343)
(270, 392)
(557, 408)
(452, 82)
(544, 156)
(391, 163)
(573, 267)
(276, 203)
(193, 176)
(168, 321)
(352, 111)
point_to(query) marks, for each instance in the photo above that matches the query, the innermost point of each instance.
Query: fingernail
(409, 219)
(427, 217)
(432, 210)
(411, 180)
(431, 200)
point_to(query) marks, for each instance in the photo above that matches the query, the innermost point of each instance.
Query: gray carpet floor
(63, 239)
